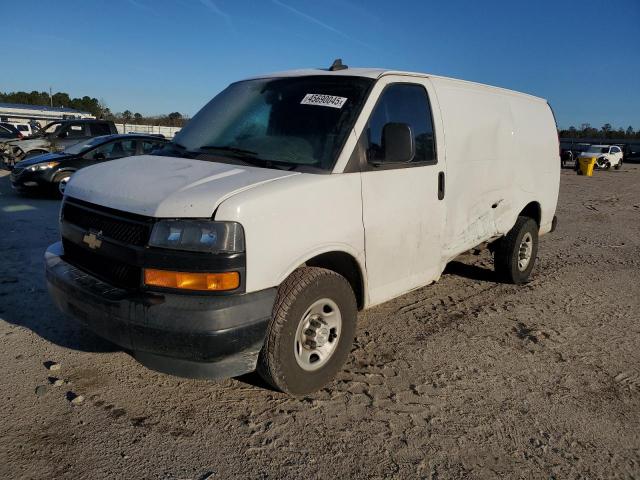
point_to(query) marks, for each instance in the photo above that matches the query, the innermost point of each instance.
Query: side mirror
(99, 156)
(398, 143)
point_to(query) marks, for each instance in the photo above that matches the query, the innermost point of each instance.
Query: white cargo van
(292, 201)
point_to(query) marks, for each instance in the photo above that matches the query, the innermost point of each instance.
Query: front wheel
(60, 182)
(516, 252)
(311, 331)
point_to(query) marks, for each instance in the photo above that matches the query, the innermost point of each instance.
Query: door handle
(440, 185)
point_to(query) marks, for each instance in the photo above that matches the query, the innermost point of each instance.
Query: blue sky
(158, 56)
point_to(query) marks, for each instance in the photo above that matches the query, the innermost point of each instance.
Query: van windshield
(276, 123)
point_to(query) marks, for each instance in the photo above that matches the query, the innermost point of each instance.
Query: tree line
(92, 105)
(99, 109)
(606, 131)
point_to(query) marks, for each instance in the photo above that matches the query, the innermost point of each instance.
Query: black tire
(277, 363)
(618, 165)
(507, 251)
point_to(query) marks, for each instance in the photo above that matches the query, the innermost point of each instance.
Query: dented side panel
(501, 155)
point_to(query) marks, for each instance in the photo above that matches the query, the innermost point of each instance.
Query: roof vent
(337, 65)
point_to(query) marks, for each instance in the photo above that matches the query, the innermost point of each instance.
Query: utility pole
(50, 97)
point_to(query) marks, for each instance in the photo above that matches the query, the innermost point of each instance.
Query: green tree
(61, 99)
(174, 118)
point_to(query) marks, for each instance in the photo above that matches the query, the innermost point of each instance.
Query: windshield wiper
(174, 148)
(249, 157)
(228, 148)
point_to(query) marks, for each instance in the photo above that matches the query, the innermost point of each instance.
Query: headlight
(198, 236)
(43, 166)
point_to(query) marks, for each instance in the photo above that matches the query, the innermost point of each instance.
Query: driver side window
(407, 104)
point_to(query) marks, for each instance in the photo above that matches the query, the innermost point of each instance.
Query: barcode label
(323, 100)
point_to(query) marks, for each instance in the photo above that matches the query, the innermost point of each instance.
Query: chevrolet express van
(289, 203)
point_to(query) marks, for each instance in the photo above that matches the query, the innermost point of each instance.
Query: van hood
(166, 187)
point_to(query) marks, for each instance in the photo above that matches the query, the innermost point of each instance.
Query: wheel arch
(39, 151)
(65, 170)
(343, 263)
(532, 210)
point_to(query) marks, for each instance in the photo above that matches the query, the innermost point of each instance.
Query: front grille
(132, 229)
(17, 171)
(110, 270)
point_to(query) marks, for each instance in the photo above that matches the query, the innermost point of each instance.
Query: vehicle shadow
(255, 380)
(472, 272)
(29, 223)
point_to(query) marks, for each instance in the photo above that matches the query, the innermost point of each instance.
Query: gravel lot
(467, 378)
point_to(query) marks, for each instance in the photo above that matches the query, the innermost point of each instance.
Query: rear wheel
(515, 253)
(311, 331)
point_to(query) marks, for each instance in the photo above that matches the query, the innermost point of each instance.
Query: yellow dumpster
(586, 166)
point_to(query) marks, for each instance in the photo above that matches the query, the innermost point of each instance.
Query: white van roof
(376, 73)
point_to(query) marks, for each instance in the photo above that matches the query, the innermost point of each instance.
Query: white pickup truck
(290, 202)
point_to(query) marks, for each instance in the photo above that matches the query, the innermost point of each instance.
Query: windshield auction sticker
(323, 100)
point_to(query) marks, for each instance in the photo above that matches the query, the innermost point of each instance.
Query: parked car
(632, 152)
(606, 156)
(9, 132)
(570, 151)
(570, 156)
(290, 202)
(566, 153)
(24, 129)
(52, 171)
(55, 137)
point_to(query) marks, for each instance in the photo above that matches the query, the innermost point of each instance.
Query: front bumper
(196, 336)
(25, 179)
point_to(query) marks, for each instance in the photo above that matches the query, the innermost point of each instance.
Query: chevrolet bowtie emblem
(92, 240)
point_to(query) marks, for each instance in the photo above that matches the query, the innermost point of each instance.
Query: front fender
(292, 219)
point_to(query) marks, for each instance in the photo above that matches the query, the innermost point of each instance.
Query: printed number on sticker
(323, 100)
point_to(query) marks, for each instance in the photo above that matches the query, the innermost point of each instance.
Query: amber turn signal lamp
(191, 281)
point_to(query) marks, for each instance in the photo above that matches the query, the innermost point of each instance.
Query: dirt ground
(467, 378)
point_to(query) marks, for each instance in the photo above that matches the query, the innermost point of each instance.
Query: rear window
(98, 129)
(23, 128)
(75, 130)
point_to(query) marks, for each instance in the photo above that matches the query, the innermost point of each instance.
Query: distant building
(15, 112)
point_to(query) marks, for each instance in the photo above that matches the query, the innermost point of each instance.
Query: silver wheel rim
(62, 184)
(317, 335)
(525, 251)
